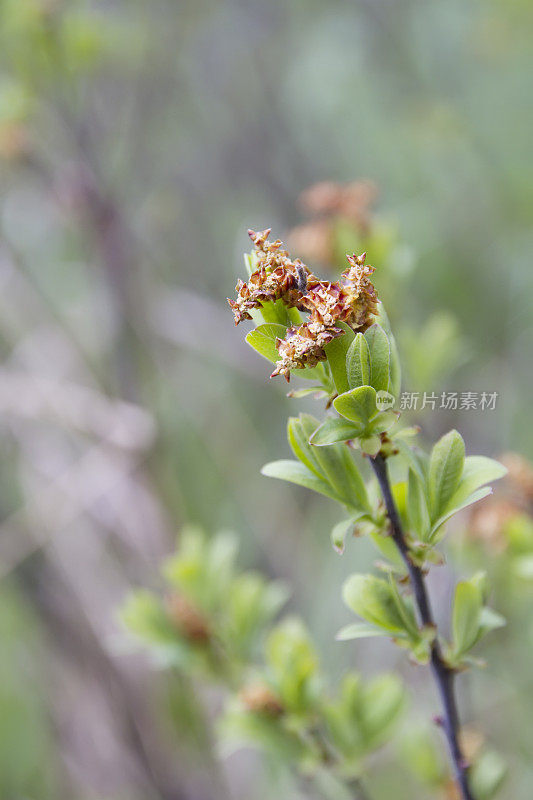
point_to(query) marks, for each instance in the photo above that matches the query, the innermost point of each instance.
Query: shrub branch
(443, 675)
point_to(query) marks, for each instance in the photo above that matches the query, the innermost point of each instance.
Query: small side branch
(443, 675)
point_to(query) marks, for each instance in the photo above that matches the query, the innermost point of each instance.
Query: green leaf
(445, 470)
(295, 472)
(334, 430)
(395, 383)
(297, 394)
(467, 607)
(336, 352)
(422, 756)
(358, 362)
(379, 347)
(263, 339)
(341, 530)
(293, 663)
(356, 487)
(370, 445)
(405, 610)
(415, 460)
(480, 494)
(523, 566)
(144, 616)
(276, 313)
(357, 405)
(395, 363)
(417, 509)
(237, 727)
(372, 599)
(487, 774)
(478, 471)
(297, 434)
(383, 422)
(489, 620)
(250, 262)
(330, 461)
(385, 545)
(330, 785)
(339, 533)
(333, 465)
(312, 374)
(358, 630)
(383, 702)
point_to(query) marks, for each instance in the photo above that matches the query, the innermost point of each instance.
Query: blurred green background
(138, 142)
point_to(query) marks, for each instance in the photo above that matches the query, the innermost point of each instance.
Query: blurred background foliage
(138, 142)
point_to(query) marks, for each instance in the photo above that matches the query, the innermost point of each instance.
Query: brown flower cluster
(514, 497)
(302, 347)
(277, 277)
(326, 203)
(352, 300)
(351, 200)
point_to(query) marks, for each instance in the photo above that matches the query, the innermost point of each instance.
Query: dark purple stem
(444, 676)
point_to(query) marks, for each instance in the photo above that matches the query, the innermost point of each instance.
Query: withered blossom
(353, 201)
(328, 203)
(277, 277)
(303, 346)
(487, 522)
(351, 300)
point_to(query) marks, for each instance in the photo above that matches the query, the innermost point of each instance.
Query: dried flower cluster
(277, 277)
(327, 203)
(351, 200)
(352, 300)
(487, 523)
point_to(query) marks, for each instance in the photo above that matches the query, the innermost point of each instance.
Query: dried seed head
(277, 277)
(261, 699)
(352, 300)
(187, 619)
(259, 238)
(353, 201)
(303, 346)
(360, 293)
